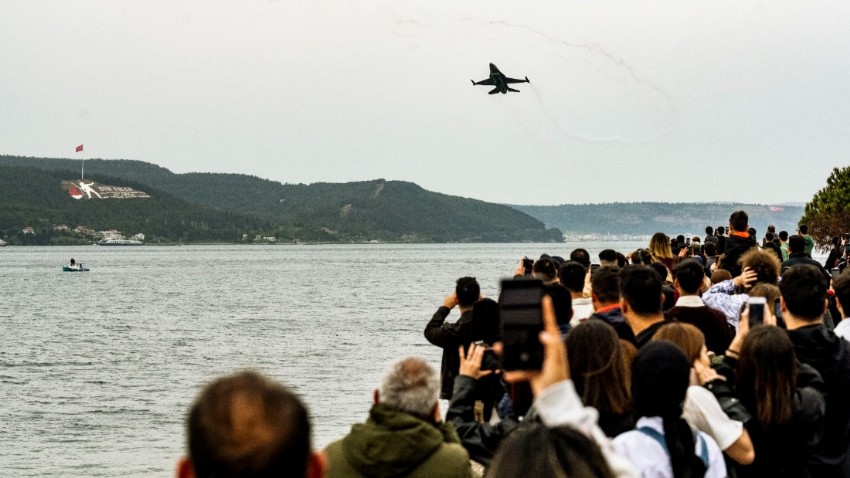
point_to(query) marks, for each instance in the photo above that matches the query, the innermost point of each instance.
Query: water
(98, 369)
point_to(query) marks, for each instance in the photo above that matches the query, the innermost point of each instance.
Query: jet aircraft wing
(488, 81)
(514, 80)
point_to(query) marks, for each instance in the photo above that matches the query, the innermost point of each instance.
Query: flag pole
(79, 149)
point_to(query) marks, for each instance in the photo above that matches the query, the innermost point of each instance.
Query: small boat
(2, 243)
(74, 269)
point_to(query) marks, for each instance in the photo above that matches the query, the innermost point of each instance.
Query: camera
(527, 264)
(522, 319)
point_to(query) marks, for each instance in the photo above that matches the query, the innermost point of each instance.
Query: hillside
(651, 217)
(357, 211)
(32, 198)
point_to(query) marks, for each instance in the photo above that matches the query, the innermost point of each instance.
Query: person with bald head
(245, 425)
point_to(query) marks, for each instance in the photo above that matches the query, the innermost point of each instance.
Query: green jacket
(394, 444)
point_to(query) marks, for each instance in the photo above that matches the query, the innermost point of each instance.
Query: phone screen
(777, 311)
(756, 308)
(522, 319)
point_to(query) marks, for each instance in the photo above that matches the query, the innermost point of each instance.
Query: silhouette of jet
(500, 81)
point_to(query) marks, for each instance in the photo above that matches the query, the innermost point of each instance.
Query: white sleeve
(703, 412)
(559, 405)
(716, 464)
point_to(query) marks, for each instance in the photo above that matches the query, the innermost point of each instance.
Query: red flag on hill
(79, 148)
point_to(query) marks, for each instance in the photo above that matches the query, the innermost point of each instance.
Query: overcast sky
(629, 101)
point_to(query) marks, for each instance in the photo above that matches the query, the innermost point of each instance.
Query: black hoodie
(830, 356)
(736, 246)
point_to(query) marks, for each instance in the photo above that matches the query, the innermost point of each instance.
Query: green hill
(650, 217)
(32, 197)
(357, 211)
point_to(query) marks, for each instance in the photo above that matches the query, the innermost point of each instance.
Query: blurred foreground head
(537, 450)
(246, 425)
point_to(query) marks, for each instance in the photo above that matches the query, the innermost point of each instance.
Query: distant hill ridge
(357, 211)
(644, 218)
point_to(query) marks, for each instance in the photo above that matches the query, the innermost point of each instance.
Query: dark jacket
(646, 334)
(721, 244)
(771, 246)
(796, 258)
(562, 302)
(710, 321)
(480, 439)
(449, 337)
(782, 452)
(830, 356)
(614, 318)
(736, 246)
(834, 256)
(393, 444)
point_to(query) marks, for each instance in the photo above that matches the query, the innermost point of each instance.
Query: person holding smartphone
(784, 397)
(449, 335)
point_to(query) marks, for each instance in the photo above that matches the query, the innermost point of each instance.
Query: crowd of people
(655, 364)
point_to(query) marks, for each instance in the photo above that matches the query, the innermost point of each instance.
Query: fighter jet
(500, 81)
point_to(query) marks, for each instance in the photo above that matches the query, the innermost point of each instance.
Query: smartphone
(527, 264)
(777, 311)
(522, 320)
(835, 273)
(756, 307)
(489, 361)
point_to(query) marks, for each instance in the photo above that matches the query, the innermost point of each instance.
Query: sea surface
(98, 369)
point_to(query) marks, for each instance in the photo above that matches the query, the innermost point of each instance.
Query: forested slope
(356, 211)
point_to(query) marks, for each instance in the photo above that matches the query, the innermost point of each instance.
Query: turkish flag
(79, 148)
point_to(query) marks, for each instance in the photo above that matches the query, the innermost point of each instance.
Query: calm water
(98, 369)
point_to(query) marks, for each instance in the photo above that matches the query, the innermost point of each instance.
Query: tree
(828, 213)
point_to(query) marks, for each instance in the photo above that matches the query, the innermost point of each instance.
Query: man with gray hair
(405, 434)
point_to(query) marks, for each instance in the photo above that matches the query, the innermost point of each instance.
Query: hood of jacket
(392, 442)
(739, 244)
(816, 346)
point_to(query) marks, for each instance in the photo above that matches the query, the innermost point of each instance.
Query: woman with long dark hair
(601, 374)
(702, 408)
(783, 398)
(663, 444)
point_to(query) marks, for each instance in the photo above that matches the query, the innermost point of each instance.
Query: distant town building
(83, 230)
(61, 227)
(28, 230)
